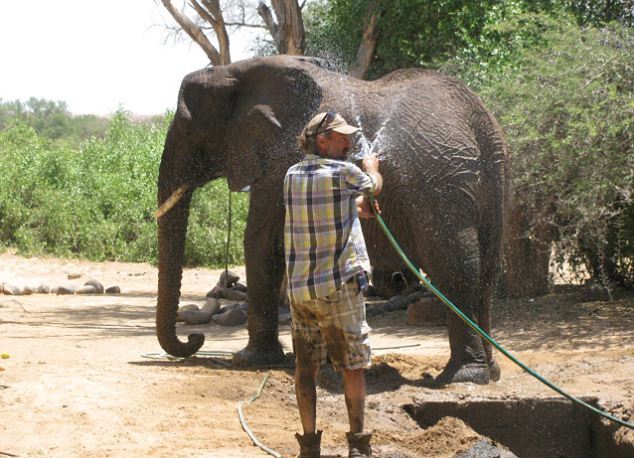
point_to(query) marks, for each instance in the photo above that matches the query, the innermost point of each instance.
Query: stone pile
(92, 286)
(232, 314)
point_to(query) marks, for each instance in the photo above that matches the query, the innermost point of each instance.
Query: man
(327, 263)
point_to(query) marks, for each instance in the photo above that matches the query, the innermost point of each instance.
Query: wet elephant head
(238, 122)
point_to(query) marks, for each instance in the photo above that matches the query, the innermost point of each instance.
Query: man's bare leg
(306, 394)
(354, 391)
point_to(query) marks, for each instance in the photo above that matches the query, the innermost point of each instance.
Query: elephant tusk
(172, 200)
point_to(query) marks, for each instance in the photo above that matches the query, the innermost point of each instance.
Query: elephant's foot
(494, 370)
(454, 372)
(259, 355)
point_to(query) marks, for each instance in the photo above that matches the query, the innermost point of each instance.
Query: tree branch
(266, 15)
(213, 15)
(244, 24)
(194, 32)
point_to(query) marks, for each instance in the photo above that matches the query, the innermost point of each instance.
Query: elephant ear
(274, 100)
(257, 126)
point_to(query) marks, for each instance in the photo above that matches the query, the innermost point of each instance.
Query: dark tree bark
(527, 252)
(288, 31)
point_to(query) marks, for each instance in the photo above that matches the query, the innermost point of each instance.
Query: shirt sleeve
(358, 181)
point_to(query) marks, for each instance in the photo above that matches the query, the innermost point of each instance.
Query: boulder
(86, 289)
(98, 286)
(240, 287)
(73, 275)
(193, 317)
(43, 289)
(61, 290)
(11, 290)
(396, 303)
(234, 294)
(216, 291)
(113, 290)
(212, 305)
(228, 278)
(233, 317)
(427, 311)
(284, 316)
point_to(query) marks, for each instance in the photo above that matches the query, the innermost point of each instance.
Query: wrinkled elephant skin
(445, 166)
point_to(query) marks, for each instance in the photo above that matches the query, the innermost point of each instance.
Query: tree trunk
(288, 31)
(527, 252)
(365, 53)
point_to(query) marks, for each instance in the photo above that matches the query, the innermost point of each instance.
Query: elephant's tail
(495, 176)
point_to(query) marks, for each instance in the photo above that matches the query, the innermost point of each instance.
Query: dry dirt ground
(77, 383)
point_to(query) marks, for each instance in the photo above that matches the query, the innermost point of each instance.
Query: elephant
(444, 160)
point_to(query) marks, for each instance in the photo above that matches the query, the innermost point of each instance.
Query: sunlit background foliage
(557, 74)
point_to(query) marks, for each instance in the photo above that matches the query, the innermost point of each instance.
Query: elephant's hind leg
(454, 267)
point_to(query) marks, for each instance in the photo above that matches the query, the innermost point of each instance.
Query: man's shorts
(336, 324)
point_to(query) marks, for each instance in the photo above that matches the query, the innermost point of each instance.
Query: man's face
(336, 146)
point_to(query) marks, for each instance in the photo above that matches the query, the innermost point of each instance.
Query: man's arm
(370, 165)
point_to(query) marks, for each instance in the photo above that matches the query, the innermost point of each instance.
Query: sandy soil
(77, 382)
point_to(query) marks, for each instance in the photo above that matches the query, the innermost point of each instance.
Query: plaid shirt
(322, 235)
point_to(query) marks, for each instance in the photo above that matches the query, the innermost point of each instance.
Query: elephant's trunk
(172, 230)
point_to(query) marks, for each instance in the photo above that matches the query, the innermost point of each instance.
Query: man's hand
(364, 207)
(370, 163)
(371, 166)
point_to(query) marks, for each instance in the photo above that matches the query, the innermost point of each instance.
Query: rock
(86, 289)
(43, 289)
(234, 295)
(98, 286)
(240, 287)
(11, 290)
(373, 310)
(188, 308)
(193, 317)
(234, 317)
(216, 291)
(234, 305)
(61, 290)
(73, 275)
(231, 278)
(396, 303)
(370, 291)
(113, 290)
(212, 305)
(425, 312)
(486, 448)
(284, 317)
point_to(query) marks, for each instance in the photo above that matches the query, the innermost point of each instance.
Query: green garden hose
(476, 328)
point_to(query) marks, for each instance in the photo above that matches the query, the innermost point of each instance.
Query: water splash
(365, 146)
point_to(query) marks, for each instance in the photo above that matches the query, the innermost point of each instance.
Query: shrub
(97, 201)
(567, 108)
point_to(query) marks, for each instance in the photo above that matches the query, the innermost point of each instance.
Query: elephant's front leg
(264, 255)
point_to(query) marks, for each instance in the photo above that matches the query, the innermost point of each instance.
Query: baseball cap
(326, 121)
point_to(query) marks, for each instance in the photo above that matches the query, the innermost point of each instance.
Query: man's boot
(309, 445)
(359, 445)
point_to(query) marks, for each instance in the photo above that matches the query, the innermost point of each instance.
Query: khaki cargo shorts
(336, 324)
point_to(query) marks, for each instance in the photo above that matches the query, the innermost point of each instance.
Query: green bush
(567, 107)
(97, 201)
